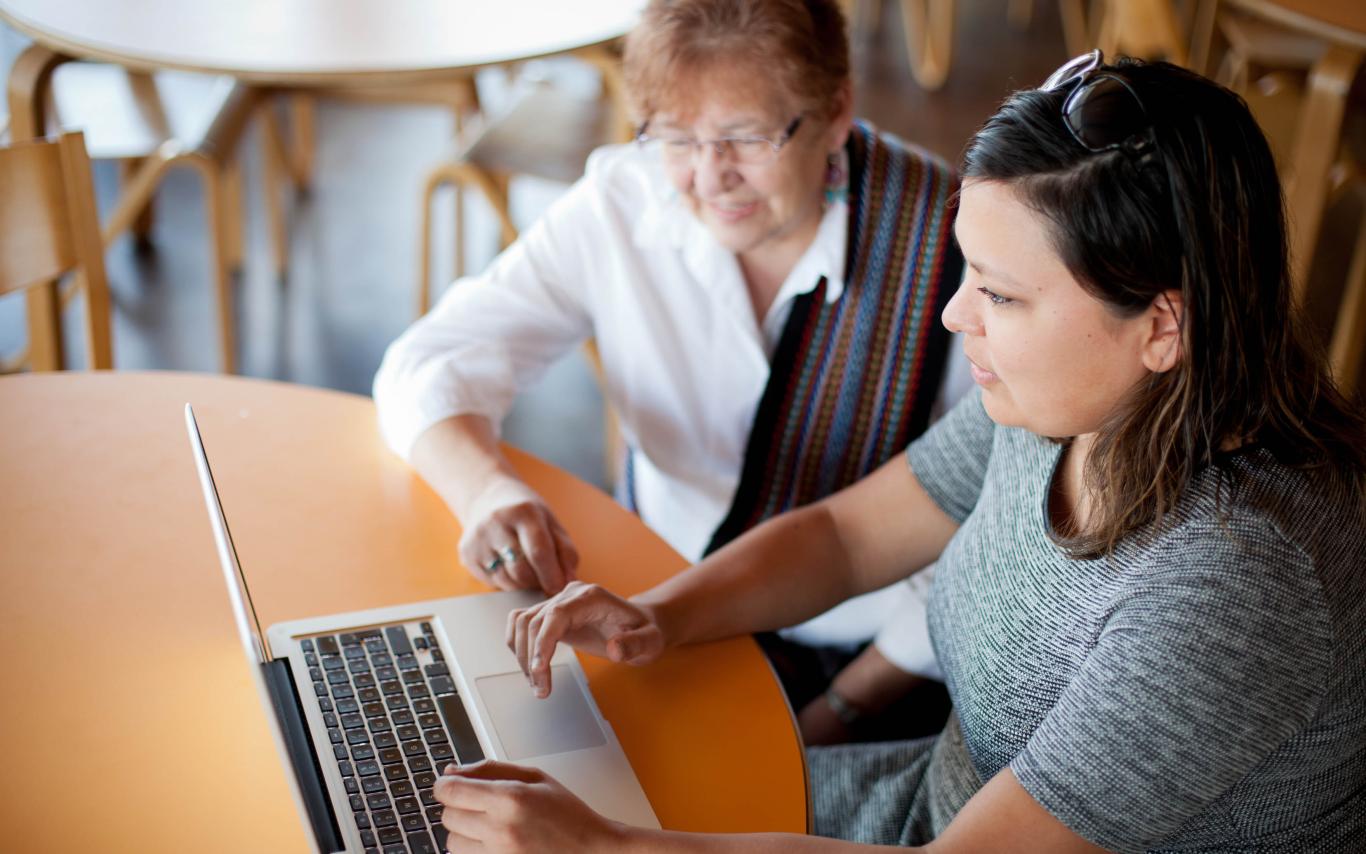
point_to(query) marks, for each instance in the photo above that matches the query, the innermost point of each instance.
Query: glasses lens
(752, 151)
(1104, 113)
(1071, 70)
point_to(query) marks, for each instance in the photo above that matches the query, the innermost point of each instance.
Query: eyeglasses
(1103, 112)
(744, 150)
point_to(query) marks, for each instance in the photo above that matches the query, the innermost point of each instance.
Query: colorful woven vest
(852, 381)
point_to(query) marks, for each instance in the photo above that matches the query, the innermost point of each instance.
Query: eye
(996, 299)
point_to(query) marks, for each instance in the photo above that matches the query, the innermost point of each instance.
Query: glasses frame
(722, 145)
(1085, 73)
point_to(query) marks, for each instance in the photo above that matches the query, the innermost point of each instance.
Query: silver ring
(509, 555)
(492, 566)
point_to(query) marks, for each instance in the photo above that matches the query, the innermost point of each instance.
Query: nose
(960, 315)
(713, 170)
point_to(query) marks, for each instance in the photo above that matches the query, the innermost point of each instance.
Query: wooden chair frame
(56, 231)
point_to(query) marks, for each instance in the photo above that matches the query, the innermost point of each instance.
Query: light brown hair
(802, 45)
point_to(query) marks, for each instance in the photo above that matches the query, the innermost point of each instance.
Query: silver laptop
(370, 706)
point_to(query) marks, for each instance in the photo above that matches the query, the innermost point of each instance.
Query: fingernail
(450, 769)
(536, 663)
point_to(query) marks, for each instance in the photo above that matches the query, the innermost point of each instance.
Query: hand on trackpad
(528, 727)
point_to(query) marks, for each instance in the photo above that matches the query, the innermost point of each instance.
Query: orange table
(128, 717)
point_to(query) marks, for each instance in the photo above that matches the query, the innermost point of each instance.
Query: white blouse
(621, 259)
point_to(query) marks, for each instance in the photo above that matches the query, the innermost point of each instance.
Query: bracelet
(847, 713)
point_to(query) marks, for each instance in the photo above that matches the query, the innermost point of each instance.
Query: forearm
(787, 570)
(459, 457)
(871, 683)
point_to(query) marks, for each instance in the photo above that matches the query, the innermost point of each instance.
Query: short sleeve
(950, 459)
(1169, 711)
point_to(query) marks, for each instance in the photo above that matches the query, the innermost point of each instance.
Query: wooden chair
(49, 228)
(150, 124)
(546, 134)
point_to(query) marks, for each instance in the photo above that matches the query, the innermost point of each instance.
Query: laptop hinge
(284, 697)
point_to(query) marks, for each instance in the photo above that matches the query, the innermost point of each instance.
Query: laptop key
(352, 721)
(420, 643)
(434, 814)
(357, 736)
(354, 652)
(395, 849)
(441, 753)
(368, 695)
(385, 739)
(429, 720)
(373, 710)
(325, 703)
(393, 686)
(428, 799)
(462, 731)
(418, 764)
(439, 834)
(413, 748)
(306, 644)
(362, 751)
(377, 724)
(420, 843)
(402, 716)
(442, 685)
(342, 692)
(330, 719)
(339, 752)
(381, 659)
(390, 835)
(346, 769)
(357, 803)
(406, 732)
(352, 787)
(375, 645)
(437, 655)
(407, 805)
(336, 677)
(395, 772)
(407, 662)
(362, 821)
(347, 706)
(333, 662)
(367, 838)
(358, 665)
(411, 676)
(364, 680)
(364, 634)
(367, 767)
(413, 822)
(390, 755)
(424, 779)
(348, 639)
(418, 691)
(424, 705)
(385, 673)
(398, 639)
(371, 785)
(435, 736)
(327, 645)
(315, 673)
(401, 788)
(335, 735)
(384, 818)
(436, 670)
(378, 801)
(396, 702)
(320, 688)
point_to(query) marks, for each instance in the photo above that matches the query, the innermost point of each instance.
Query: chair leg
(275, 163)
(141, 227)
(137, 191)
(424, 280)
(928, 30)
(303, 138)
(233, 243)
(213, 177)
(1349, 333)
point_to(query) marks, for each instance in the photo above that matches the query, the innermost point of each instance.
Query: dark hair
(800, 44)
(1205, 216)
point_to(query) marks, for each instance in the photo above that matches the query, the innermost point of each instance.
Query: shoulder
(623, 175)
(868, 142)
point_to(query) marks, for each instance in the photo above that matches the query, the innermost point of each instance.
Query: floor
(353, 258)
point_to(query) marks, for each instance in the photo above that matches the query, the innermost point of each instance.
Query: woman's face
(1049, 356)
(766, 207)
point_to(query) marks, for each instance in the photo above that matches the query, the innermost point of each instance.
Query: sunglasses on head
(1103, 112)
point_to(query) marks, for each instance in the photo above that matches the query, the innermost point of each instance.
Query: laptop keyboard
(395, 720)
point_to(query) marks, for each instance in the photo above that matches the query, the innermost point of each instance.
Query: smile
(732, 213)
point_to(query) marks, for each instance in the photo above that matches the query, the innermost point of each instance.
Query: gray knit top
(1205, 690)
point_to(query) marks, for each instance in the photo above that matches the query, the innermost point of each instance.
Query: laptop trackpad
(530, 727)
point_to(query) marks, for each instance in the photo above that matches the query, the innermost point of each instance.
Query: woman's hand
(496, 806)
(513, 540)
(587, 617)
(820, 725)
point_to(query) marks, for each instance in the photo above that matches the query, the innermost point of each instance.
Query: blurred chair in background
(49, 228)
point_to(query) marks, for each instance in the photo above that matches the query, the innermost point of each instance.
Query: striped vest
(852, 381)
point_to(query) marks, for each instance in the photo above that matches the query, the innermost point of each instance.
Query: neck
(1070, 505)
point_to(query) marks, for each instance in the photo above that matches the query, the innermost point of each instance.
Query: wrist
(846, 711)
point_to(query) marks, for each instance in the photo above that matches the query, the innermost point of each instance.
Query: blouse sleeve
(950, 459)
(494, 333)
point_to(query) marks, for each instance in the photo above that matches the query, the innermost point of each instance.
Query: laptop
(368, 707)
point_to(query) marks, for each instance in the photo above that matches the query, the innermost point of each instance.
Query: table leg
(29, 80)
(1316, 146)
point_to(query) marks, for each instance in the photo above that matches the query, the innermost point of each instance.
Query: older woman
(761, 275)
(1150, 599)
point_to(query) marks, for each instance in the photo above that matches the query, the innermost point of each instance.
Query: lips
(731, 213)
(981, 375)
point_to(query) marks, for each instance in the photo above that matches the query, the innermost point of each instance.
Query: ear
(1162, 344)
(842, 118)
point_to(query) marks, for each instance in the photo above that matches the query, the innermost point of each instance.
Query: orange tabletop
(128, 718)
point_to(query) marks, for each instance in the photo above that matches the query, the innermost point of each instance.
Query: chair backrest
(49, 227)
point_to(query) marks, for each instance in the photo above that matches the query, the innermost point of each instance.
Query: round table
(129, 720)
